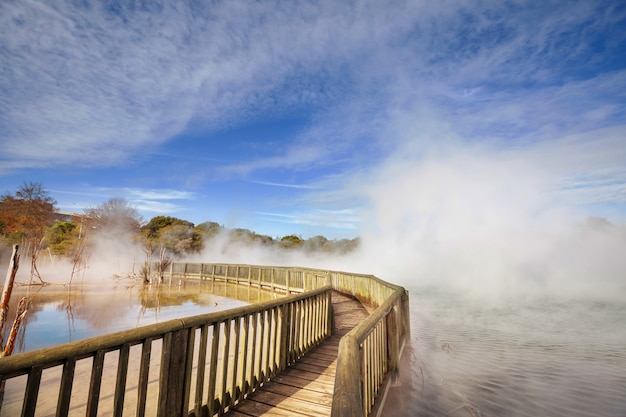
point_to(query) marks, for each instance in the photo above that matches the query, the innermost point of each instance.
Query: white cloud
(344, 219)
(285, 185)
(157, 194)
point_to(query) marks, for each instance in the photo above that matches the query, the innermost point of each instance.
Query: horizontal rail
(273, 278)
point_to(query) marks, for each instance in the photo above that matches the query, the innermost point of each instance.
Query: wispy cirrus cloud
(155, 201)
(285, 185)
(111, 76)
(152, 201)
(344, 219)
(107, 80)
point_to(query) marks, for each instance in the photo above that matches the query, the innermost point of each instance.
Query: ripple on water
(530, 359)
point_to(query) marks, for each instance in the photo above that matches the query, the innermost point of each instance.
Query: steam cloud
(489, 222)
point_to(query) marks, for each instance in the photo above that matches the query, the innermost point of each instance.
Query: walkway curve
(306, 388)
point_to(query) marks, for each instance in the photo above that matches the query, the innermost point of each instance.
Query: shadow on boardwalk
(306, 388)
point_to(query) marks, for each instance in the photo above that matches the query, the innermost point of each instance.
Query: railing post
(330, 318)
(172, 382)
(347, 396)
(393, 350)
(283, 324)
(406, 316)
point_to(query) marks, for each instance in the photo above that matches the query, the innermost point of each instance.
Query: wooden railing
(205, 364)
(372, 349)
(273, 278)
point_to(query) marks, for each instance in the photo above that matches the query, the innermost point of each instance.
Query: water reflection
(64, 314)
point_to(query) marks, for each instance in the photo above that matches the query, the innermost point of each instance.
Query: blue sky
(318, 117)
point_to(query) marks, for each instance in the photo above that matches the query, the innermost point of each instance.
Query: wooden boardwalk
(306, 388)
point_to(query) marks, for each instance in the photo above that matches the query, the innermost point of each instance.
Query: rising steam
(489, 222)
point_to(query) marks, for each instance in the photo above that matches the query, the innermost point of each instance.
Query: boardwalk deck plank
(307, 386)
(306, 375)
(302, 383)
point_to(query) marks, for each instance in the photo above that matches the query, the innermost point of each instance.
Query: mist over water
(490, 224)
(539, 357)
(517, 295)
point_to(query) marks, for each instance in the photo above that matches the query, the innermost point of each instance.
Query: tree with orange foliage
(24, 218)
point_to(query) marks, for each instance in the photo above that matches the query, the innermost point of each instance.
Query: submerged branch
(22, 309)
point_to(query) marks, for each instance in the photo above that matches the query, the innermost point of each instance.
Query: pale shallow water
(536, 356)
(59, 315)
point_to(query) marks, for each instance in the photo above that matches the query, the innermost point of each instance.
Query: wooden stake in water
(8, 288)
(22, 308)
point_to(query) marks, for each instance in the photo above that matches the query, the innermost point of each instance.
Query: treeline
(29, 217)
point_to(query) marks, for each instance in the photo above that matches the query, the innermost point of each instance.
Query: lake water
(536, 356)
(64, 314)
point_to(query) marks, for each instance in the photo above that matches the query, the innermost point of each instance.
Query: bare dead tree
(79, 259)
(35, 249)
(163, 262)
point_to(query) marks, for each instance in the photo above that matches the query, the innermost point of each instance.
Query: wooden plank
(65, 391)
(306, 367)
(204, 331)
(224, 355)
(294, 405)
(215, 338)
(321, 355)
(321, 363)
(254, 376)
(259, 409)
(144, 371)
(120, 384)
(309, 376)
(312, 391)
(235, 360)
(95, 384)
(32, 391)
(299, 384)
(190, 337)
(244, 356)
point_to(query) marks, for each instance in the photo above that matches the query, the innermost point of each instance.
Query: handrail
(15, 365)
(209, 363)
(372, 349)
